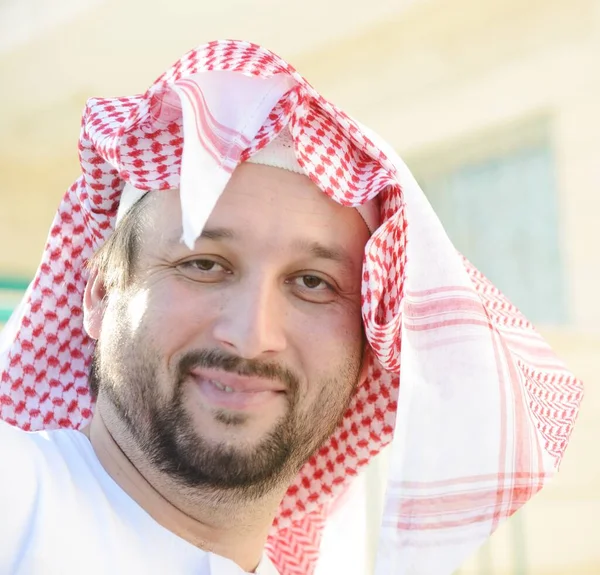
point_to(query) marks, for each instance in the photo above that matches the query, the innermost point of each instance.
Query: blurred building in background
(494, 105)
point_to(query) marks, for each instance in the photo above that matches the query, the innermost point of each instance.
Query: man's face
(229, 364)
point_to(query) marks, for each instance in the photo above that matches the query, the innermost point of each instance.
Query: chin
(234, 430)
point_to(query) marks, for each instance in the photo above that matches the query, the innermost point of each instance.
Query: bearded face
(228, 365)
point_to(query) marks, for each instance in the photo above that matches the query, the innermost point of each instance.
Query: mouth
(239, 393)
(222, 387)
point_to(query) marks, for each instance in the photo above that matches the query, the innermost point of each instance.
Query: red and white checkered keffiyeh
(476, 406)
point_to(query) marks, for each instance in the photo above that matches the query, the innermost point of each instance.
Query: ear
(366, 360)
(94, 304)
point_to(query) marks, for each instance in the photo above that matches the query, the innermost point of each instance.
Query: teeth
(222, 387)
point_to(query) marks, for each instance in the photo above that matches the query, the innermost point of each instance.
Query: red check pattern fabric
(477, 408)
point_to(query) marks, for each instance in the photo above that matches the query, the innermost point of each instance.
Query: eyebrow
(317, 250)
(218, 234)
(335, 252)
(215, 234)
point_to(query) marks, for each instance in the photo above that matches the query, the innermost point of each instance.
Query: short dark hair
(116, 259)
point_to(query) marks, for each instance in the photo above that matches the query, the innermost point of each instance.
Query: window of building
(500, 209)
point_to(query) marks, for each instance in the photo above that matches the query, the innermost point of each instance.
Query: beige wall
(558, 529)
(113, 47)
(440, 79)
(441, 73)
(447, 73)
(454, 80)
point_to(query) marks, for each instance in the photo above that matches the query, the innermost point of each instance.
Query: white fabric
(253, 97)
(11, 327)
(279, 153)
(62, 514)
(129, 196)
(476, 406)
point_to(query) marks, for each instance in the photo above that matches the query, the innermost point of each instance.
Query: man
(277, 303)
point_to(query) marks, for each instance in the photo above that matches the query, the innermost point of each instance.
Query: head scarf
(475, 404)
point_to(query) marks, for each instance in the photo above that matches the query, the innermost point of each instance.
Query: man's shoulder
(21, 465)
(267, 567)
(33, 480)
(22, 458)
(28, 456)
(16, 445)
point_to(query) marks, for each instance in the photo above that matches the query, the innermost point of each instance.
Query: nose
(251, 321)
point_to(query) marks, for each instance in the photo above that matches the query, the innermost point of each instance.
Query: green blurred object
(13, 284)
(11, 292)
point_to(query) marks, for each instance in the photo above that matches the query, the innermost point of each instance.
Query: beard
(126, 371)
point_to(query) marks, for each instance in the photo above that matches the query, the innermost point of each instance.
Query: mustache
(218, 359)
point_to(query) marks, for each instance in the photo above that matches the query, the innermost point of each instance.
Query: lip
(239, 383)
(249, 393)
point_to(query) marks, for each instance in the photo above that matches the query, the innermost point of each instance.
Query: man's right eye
(204, 268)
(203, 265)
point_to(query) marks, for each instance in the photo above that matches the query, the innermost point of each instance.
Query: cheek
(328, 341)
(175, 314)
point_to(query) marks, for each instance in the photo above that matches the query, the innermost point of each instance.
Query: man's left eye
(311, 282)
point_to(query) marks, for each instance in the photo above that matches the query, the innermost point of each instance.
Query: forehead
(265, 203)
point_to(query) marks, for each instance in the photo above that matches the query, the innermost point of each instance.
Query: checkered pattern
(476, 406)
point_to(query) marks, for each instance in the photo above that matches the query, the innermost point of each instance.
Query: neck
(217, 522)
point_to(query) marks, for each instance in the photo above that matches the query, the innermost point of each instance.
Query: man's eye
(204, 265)
(313, 283)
